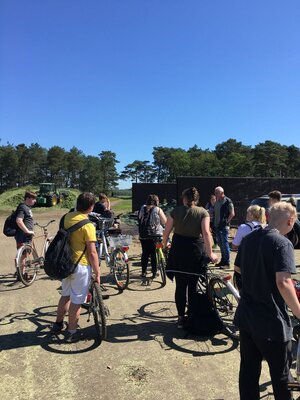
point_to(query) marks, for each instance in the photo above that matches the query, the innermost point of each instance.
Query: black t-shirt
(262, 311)
(25, 213)
(99, 208)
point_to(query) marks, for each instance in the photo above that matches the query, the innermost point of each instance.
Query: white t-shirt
(244, 230)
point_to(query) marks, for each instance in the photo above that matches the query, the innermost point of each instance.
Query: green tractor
(49, 196)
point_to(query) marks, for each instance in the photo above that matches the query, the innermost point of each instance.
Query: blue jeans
(222, 237)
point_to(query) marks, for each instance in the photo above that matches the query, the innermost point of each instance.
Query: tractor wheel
(51, 200)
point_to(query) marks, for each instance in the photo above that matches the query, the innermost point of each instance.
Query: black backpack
(10, 225)
(58, 258)
(202, 318)
(145, 228)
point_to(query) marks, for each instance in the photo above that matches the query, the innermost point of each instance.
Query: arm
(231, 214)
(22, 226)
(286, 288)
(93, 259)
(208, 239)
(162, 216)
(167, 231)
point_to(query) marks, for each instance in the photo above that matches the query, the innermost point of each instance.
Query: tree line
(229, 158)
(23, 165)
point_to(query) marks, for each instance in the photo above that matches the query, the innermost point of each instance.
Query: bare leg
(74, 313)
(62, 308)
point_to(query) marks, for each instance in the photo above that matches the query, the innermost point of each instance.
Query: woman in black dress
(191, 243)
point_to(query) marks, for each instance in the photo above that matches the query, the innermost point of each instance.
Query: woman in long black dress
(191, 242)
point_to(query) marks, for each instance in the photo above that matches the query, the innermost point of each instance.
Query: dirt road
(145, 355)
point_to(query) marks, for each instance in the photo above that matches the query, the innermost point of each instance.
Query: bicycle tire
(27, 275)
(120, 269)
(161, 266)
(98, 310)
(225, 305)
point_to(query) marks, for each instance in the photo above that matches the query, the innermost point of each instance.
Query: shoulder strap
(250, 225)
(78, 225)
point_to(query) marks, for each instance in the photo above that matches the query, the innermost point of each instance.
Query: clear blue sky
(129, 75)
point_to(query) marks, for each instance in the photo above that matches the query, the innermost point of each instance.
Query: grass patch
(123, 205)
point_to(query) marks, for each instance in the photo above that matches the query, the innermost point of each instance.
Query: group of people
(264, 265)
(264, 262)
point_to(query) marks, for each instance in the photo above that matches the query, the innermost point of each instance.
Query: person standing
(191, 244)
(75, 287)
(266, 262)
(151, 219)
(24, 221)
(102, 206)
(274, 197)
(224, 212)
(210, 207)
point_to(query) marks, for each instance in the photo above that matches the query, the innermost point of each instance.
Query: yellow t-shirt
(78, 239)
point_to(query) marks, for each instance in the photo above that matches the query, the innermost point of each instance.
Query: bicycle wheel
(225, 305)
(98, 310)
(120, 269)
(27, 264)
(161, 266)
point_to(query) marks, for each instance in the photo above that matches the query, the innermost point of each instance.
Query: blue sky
(128, 75)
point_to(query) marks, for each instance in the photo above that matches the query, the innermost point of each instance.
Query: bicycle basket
(119, 241)
(101, 223)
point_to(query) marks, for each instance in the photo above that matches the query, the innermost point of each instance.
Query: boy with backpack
(150, 218)
(75, 287)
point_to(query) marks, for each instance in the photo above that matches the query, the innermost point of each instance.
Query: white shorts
(77, 284)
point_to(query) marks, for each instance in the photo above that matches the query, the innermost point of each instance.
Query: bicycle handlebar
(44, 226)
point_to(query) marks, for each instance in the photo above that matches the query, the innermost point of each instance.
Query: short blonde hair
(258, 213)
(281, 211)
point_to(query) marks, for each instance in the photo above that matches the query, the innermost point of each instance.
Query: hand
(97, 279)
(30, 233)
(214, 257)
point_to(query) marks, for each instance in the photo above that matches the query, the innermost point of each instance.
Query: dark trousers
(279, 358)
(185, 290)
(148, 249)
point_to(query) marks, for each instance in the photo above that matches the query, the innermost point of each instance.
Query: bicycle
(222, 295)
(160, 258)
(94, 305)
(27, 261)
(225, 298)
(113, 247)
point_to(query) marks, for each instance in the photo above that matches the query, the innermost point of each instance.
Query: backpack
(58, 258)
(202, 318)
(10, 225)
(145, 228)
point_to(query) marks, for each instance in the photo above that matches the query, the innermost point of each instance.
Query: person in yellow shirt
(75, 287)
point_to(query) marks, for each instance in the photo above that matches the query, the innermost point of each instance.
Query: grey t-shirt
(217, 210)
(262, 311)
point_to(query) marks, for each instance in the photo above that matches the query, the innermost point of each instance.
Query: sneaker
(225, 266)
(180, 323)
(219, 264)
(73, 337)
(57, 328)
(143, 276)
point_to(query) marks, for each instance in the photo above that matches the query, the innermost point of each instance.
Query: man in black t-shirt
(266, 262)
(24, 219)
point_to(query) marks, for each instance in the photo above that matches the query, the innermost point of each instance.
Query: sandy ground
(144, 357)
